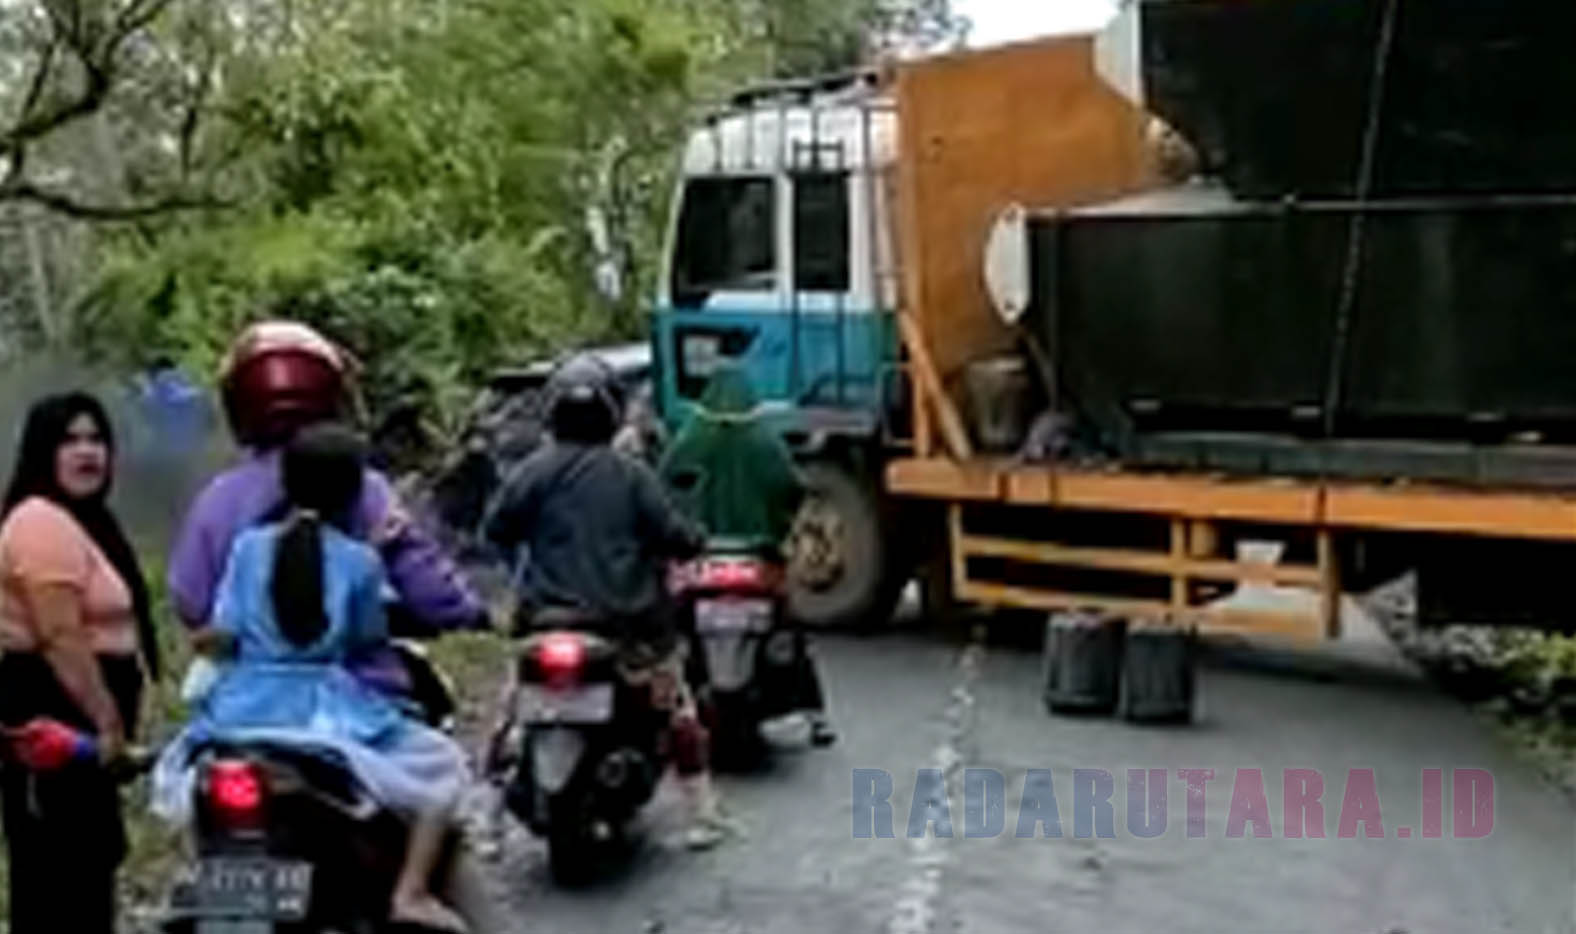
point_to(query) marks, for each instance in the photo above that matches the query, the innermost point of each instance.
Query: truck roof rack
(804, 89)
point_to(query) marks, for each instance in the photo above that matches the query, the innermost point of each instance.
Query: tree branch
(137, 15)
(98, 67)
(35, 89)
(28, 128)
(194, 109)
(19, 189)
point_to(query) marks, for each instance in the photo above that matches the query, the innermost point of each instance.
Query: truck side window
(820, 232)
(727, 239)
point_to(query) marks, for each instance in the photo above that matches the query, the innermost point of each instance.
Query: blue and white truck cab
(781, 257)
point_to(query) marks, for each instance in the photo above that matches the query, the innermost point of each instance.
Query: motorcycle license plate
(251, 889)
(588, 703)
(722, 616)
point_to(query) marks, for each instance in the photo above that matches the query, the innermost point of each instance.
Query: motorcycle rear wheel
(571, 853)
(736, 742)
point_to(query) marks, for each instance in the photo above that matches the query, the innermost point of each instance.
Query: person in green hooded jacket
(733, 474)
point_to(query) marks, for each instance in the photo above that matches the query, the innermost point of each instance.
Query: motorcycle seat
(763, 549)
(548, 618)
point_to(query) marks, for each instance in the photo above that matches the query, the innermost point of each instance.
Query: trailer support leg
(1203, 540)
(1179, 556)
(956, 558)
(1329, 585)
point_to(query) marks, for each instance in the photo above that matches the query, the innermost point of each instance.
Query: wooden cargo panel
(1295, 627)
(1193, 497)
(1423, 509)
(1547, 517)
(937, 478)
(1033, 124)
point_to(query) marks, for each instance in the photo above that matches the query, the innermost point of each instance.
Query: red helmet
(279, 377)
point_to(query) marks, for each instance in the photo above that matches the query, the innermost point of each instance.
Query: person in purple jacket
(278, 378)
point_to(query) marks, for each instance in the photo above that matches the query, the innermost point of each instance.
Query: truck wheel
(842, 573)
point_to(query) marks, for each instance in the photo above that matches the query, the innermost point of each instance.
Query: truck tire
(843, 575)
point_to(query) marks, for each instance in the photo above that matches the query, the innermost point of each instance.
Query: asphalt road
(908, 701)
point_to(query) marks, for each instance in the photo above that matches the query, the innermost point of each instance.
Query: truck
(1283, 265)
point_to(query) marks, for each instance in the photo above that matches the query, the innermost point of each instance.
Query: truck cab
(780, 258)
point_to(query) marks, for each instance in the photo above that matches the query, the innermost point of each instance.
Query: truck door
(727, 287)
(819, 366)
(841, 333)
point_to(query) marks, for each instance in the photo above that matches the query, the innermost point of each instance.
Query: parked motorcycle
(589, 747)
(736, 595)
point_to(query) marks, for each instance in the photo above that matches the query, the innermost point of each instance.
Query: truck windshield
(726, 239)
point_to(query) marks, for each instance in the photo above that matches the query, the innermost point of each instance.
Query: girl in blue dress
(299, 602)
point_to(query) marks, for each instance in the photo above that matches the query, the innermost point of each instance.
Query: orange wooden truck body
(1035, 124)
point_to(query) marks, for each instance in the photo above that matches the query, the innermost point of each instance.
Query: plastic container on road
(1158, 665)
(1083, 662)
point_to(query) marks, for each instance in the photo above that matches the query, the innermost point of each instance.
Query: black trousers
(65, 840)
(808, 695)
(64, 832)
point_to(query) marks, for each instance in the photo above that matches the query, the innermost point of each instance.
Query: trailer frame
(1195, 506)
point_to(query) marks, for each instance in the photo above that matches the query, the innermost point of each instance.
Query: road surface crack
(920, 894)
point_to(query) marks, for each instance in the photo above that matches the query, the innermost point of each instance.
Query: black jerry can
(1159, 665)
(1083, 662)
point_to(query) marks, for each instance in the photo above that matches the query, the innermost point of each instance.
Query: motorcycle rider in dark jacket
(594, 533)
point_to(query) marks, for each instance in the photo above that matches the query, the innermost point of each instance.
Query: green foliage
(1539, 661)
(424, 317)
(417, 177)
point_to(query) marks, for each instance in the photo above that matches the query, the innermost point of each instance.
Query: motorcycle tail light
(561, 655)
(732, 575)
(235, 792)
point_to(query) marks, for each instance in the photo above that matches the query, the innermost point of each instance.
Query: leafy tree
(441, 184)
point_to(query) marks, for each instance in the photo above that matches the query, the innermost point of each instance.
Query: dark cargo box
(1195, 331)
(1275, 93)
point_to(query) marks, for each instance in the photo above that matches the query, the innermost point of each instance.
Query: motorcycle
(431, 695)
(590, 749)
(287, 841)
(736, 596)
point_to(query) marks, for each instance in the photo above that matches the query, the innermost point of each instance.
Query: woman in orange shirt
(74, 620)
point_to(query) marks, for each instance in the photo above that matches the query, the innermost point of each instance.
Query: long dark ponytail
(322, 470)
